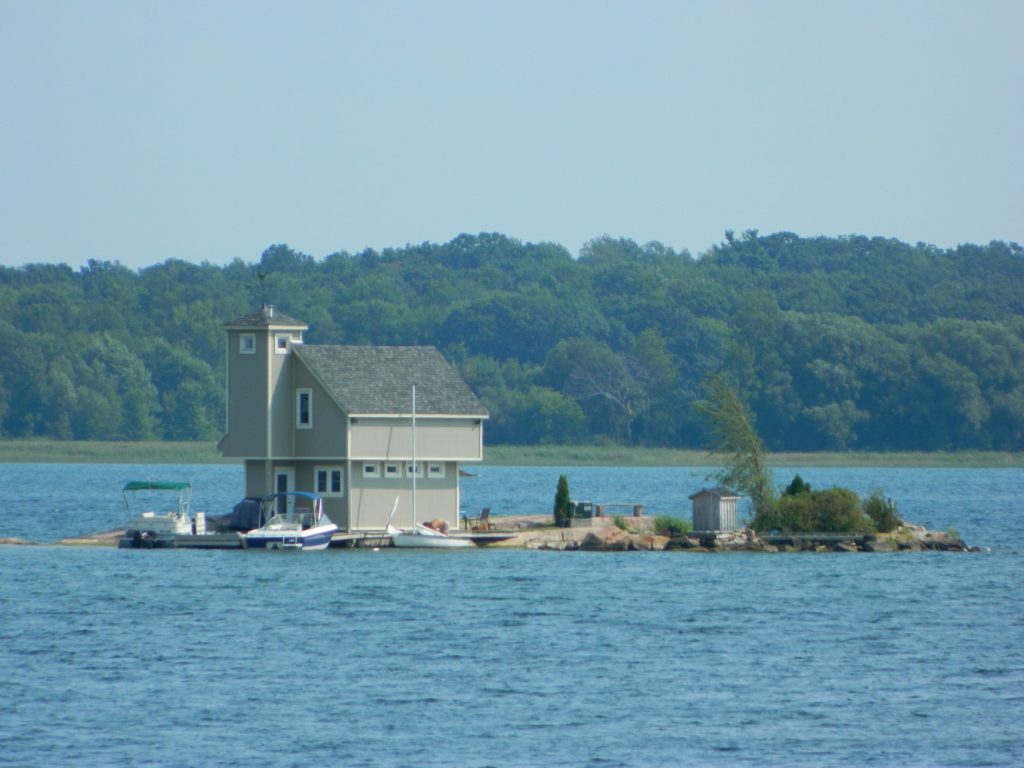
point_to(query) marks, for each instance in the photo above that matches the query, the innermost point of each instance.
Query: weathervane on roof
(263, 287)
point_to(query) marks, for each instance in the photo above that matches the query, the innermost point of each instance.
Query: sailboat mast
(415, 469)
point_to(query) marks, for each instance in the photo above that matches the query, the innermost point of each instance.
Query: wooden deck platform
(340, 540)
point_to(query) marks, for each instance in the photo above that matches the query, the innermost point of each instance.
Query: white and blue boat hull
(311, 540)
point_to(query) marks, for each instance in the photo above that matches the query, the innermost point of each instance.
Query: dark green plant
(797, 486)
(561, 507)
(620, 523)
(882, 512)
(835, 510)
(665, 525)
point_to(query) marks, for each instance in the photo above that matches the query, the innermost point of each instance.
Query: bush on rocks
(835, 510)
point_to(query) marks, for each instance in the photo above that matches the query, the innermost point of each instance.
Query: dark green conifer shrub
(561, 508)
(797, 486)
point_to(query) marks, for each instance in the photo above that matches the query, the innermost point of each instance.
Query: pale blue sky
(141, 131)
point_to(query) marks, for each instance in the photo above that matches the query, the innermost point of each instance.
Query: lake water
(511, 658)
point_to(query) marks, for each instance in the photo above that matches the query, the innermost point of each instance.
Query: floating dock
(340, 540)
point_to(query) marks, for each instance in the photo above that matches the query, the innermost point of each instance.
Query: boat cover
(246, 514)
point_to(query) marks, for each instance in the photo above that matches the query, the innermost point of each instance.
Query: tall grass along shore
(112, 452)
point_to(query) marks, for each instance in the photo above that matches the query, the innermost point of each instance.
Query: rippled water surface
(511, 658)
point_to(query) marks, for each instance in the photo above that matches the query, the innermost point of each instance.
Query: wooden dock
(233, 540)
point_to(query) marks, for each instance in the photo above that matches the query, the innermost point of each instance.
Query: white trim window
(435, 471)
(330, 481)
(247, 343)
(304, 408)
(371, 469)
(282, 344)
(392, 471)
(414, 469)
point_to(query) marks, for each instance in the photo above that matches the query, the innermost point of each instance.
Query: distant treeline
(835, 343)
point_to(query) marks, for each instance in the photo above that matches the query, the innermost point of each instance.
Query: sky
(139, 131)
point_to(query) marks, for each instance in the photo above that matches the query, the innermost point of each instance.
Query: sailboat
(420, 535)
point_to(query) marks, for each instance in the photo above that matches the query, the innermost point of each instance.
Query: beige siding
(337, 510)
(246, 398)
(250, 378)
(327, 437)
(371, 501)
(257, 482)
(336, 507)
(282, 375)
(439, 439)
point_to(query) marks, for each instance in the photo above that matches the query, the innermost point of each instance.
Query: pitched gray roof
(718, 492)
(266, 315)
(366, 380)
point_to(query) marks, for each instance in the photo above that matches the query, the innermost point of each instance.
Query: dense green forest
(835, 343)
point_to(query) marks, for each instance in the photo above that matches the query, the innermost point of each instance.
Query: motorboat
(294, 520)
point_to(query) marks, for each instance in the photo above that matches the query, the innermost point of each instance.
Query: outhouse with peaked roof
(338, 421)
(714, 510)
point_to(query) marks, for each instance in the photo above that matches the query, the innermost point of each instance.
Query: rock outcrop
(604, 535)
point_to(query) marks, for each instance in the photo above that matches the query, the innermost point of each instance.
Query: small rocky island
(619, 534)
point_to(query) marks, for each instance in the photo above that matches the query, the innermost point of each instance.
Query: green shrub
(882, 512)
(561, 508)
(790, 514)
(836, 510)
(664, 525)
(620, 523)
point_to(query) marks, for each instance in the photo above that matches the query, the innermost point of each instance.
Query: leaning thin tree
(734, 437)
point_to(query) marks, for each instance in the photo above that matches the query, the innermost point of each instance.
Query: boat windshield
(306, 510)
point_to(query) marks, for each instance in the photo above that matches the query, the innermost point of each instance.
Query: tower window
(304, 408)
(247, 344)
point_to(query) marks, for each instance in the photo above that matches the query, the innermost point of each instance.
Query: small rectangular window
(393, 471)
(329, 481)
(247, 344)
(371, 469)
(304, 408)
(435, 471)
(281, 342)
(414, 469)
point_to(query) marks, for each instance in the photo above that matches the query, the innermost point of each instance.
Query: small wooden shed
(714, 509)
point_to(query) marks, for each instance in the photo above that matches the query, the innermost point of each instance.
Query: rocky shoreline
(603, 535)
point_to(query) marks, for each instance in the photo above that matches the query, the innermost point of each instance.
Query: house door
(284, 482)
